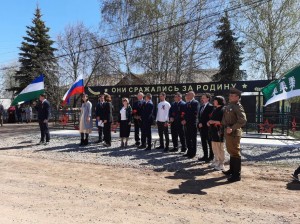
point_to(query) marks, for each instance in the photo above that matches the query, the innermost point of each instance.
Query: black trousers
(44, 131)
(177, 129)
(107, 132)
(297, 171)
(137, 129)
(205, 141)
(100, 133)
(19, 117)
(163, 131)
(146, 134)
(1, 119)
(191, 139)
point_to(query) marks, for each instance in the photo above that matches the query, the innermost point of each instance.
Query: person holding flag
(34, 90)
(86, 121)
(286, 87)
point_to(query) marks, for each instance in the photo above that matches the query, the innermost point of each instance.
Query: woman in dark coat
(107, 120)
(216, 133)
(125, 117)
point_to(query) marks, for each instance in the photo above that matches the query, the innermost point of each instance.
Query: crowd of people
(215, 123)
(218, 123)
(20, 113)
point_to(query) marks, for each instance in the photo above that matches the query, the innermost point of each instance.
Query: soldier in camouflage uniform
(234, 119)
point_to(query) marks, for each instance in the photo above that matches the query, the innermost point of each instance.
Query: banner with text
(244, 86)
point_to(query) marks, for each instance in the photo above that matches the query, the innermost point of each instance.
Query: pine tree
(230, 58)
(37, 57)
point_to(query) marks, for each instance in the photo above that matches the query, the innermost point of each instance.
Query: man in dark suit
(190, 121)
(107, 119)
(43, 109)
(136, 112)
(100, 117)
(147, 120)
(177, 129)
(203, 117)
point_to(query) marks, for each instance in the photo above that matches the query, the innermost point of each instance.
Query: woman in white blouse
(125, 122)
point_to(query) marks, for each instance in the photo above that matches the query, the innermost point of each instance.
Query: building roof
(131, 79)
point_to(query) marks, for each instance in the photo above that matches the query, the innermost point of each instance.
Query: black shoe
(208, 160)
(148, 149)
(86, 142)
(227, 173)
(166, 149)
(160, 147)
(106, 144)
(183, 150)
(174, 149)
(190, 157)
(81, 142)
(137, 143)
(47, 143)
(41, 143)
(185, 155)
(141, 147)
(99, 141)
(203, 159)
(234, 178)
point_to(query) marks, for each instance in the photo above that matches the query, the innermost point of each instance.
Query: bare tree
(166, 55)
(82, 52)
(7, 80)
(117, 14)
(271, 29)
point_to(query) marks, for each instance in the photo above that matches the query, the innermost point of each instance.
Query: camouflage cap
(235, 91)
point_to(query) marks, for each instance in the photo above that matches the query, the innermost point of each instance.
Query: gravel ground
(64, 183)
(66, 148)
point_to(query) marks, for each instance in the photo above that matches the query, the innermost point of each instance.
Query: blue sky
(15, 15)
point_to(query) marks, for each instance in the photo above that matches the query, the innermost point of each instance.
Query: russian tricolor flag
(76, 88)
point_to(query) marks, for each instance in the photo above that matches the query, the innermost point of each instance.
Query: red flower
(134, 111)
(182, 114)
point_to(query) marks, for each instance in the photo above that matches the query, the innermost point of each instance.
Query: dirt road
(42, 191)
(39, 189)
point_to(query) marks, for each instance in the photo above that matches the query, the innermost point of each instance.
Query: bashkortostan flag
(32, 91)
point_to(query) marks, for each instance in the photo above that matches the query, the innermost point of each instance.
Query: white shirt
(203, 108)
(163, 111)
(123, 114)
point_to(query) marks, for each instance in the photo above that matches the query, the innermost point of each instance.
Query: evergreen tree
(37, 57)
(230, 57)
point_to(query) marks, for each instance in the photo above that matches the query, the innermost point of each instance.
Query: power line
(188, 13)
(239, 6)
(163, 29)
